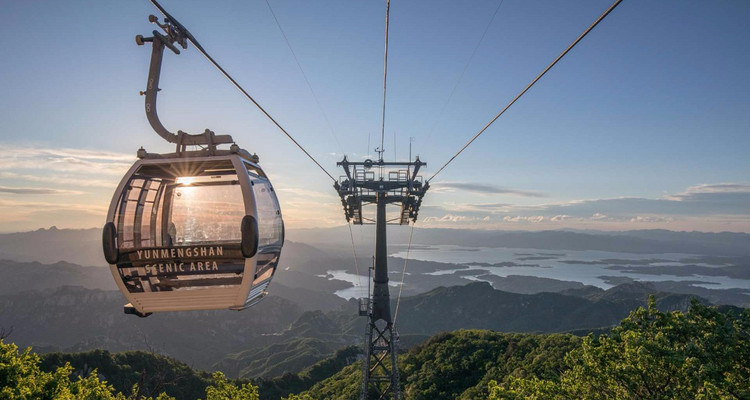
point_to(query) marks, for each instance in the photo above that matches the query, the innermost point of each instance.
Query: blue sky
(643, 125)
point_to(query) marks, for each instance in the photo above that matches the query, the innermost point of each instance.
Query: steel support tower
(403, 187)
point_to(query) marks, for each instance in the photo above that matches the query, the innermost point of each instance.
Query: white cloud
(534, 219)
(651, 218)
(450, 218)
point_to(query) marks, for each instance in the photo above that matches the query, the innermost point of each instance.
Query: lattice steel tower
(401, 186)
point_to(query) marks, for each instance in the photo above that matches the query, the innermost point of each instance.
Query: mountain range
(59, 306)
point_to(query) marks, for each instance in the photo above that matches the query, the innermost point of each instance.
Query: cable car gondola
(195, 229)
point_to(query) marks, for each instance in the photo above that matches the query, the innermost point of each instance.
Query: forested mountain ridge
(479, 306)
(155, 374)
(701, 353)
(278, 335)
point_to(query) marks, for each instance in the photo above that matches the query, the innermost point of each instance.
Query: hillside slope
(701, 353)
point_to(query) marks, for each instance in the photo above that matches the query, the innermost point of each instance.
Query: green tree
(700, 354)
(21, 378)
(298, 397)
(223, 389)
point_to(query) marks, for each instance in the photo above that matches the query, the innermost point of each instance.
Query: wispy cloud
(23, 215)
(64, 160)
(73, 180)
(491, 208)
(96, 209)
(41, 171)
(700, 192)
(710, 206)
(451, 218)
(31, 190)
(42, 186)
(306, 193)
(482, 188)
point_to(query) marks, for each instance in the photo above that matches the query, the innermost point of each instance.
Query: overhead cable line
(463, 72)
(385, 76)
(238, 86)
(403, 275)
(299, 65)
(354, 251)
(518, 96)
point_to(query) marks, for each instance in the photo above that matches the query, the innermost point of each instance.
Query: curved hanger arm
(159, 42)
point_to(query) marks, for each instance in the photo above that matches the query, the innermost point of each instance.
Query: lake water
(359, 284)
(587, 267)
(561, 264)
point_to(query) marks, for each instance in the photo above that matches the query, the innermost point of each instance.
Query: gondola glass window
(270, 228)
(206, 210)
(179, 226)
(200, 209)
(269, 215)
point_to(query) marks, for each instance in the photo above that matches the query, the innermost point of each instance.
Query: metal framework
(359, 187)
(402, 187)
(174, 32)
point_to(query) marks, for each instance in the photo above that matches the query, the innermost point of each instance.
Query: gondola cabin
(193, 233)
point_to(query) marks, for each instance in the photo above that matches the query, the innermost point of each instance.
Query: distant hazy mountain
(78, 246)
(77, 319)
(24, 276)
(83, 246)
(641, 241)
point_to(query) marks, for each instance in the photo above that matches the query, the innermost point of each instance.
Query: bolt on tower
(403, 187)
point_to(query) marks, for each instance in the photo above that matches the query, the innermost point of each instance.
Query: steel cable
(518, 96)
(403, 275)
(239, 87)
(304, 75)
(461, 75)
(354, 251)
(385, 76)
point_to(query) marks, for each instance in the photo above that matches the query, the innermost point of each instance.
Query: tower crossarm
(401, 186)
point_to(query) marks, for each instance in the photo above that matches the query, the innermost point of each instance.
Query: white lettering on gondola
(162, 268)
(170, 260)
(167, 268)
(204, 266)
(171, 253)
